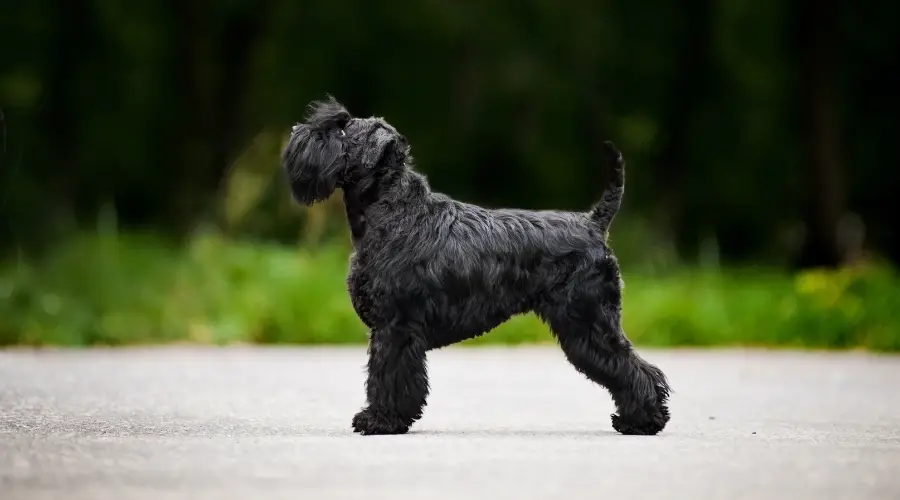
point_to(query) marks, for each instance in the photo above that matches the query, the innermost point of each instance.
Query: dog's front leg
(397, 383)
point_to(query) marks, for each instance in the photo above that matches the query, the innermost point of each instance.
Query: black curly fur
(428, 271)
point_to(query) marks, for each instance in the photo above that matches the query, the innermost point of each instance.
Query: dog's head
(332, 149)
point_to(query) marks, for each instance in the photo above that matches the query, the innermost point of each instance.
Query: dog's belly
(461, 318)
(442, 337)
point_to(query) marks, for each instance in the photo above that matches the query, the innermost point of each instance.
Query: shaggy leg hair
(428, 271)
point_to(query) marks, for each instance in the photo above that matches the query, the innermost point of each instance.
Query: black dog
(428, 271)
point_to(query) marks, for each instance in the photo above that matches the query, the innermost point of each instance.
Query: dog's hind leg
(587, 326)
(397, 383)
(638, 388)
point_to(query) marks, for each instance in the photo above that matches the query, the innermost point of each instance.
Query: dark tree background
(766, 126)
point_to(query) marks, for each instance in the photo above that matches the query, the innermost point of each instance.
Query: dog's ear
(313, 165)
(383, 146)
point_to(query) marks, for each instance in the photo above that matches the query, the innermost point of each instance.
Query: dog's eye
(342, 133)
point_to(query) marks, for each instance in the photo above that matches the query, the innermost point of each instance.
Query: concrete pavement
(234, 423)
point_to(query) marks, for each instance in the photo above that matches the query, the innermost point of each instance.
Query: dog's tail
(606, 209)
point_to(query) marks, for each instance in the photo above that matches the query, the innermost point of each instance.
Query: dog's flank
(429, 271)
(610, 202)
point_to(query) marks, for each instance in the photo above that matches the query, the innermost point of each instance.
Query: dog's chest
(359, 286)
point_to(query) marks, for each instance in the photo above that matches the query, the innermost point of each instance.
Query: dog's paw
(648, 425)
(370, 423)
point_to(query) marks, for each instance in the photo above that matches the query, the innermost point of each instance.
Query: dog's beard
(314, 165)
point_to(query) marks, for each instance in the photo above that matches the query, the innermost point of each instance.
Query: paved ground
(501, 424)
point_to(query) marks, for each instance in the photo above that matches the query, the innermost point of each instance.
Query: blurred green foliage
(110, 289)
(141, 196)
(757, 124)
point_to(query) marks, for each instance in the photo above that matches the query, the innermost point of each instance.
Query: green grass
(133, 289)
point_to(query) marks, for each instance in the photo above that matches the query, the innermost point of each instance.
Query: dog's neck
(394, 188)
